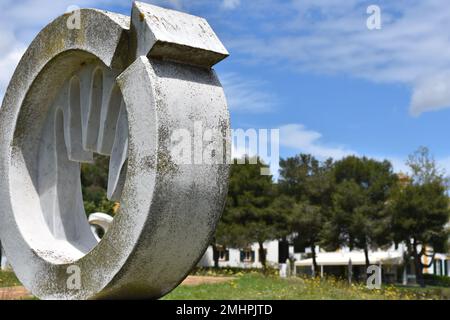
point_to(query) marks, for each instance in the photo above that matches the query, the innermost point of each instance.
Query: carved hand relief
(120, 88)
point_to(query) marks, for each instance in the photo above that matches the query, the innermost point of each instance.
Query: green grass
(257, 286)
(429, 292)
(8, 279)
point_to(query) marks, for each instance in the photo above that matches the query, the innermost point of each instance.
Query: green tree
(420, 211)
(359, 218)
(306, 221)
(94, 182)
(309, 183)
(249, 216)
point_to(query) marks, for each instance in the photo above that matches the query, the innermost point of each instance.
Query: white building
(337, 263)
(248, 257)
(390, 260)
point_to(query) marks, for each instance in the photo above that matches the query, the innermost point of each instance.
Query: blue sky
(309, 67)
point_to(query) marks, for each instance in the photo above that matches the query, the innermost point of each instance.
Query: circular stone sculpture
(119, 87)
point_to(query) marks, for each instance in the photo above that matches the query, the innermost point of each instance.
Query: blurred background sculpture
(119, 87)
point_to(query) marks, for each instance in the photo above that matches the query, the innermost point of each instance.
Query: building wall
(441, 265)
(234, 259)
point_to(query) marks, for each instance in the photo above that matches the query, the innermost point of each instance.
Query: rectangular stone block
(172, 35)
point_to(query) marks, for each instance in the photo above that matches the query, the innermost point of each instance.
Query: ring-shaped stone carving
(120, 87)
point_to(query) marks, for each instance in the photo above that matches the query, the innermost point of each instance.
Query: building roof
(357, 258)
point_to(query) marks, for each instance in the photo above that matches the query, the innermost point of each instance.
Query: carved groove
(95, 120)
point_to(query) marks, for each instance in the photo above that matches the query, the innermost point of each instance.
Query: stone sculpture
(115, 86)
(100, 223)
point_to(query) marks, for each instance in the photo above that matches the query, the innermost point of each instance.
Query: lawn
(257, 286)
(8, 279)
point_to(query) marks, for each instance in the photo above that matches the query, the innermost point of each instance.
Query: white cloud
(431, 93)
(320, 36)
(331, 37)
(297, 137)
(246, 95)
(231, 4)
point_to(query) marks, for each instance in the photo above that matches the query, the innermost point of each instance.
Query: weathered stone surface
(62, 105)
(173, 35)
(100, 220)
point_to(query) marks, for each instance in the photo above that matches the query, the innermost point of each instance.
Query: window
(224, 254)
(437, 267)
(247, 255)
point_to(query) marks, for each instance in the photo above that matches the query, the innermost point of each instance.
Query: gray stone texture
(117, 88)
